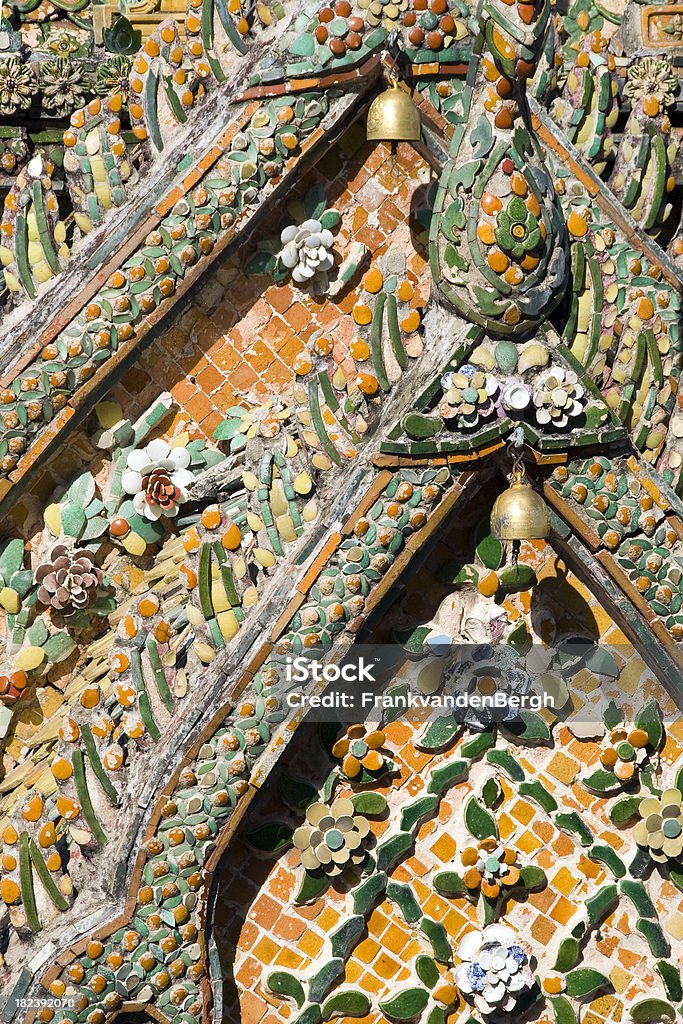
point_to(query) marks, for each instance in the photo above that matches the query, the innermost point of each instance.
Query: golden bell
(393, 117)
(519, 513)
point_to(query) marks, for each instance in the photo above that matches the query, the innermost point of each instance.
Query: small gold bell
(519, 513)
(393, 117)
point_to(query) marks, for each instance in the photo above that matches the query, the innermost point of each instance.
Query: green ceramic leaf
(612, 716)
(491, 792)
(369, 803)
(121, 37)
(413, 812)
(504, 760)
(649, 718)
(677, 878)
(438, 734)
(654, 936)
(311, 1015)
(282, 983)
(37, 634)
(447, 775)
(427, 971)
(405, 1005)
(573, 823)
(623, 810)
(73, 519)
(517, 577)
(436, 933)
(421, 427)
(637, 893)
(601, 781)
(532, 877)
(260, 263)
(563, 1011)
(11, 558)
(567, 955)
(520, 637)
(606, 855)
(480, 824)
(437, 1015)
(330, 219)
(405, 898)
(536, 791)
(82, 490)
(367, 892)
(477, 746)
(490, 551)
(22, 581)
(601, 661)
(604, 900)
(671, 976)
(391, 850)
(312, 886)
(450, 883)
(321, 982)
(344, 938)
(271, 837)
(58, 646)
(346, 1003)
(528, 726)
(647, 1010)
(585, 981)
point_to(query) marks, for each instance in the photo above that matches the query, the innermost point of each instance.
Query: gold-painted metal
(393, 117)
(520, 513)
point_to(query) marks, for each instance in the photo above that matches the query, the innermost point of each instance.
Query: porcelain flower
(558, 397)
(626, 753)
(359, 749)
(69, 580)
(495, 968)
(332, 837)
(306, 250)
(660, 828)
(157, 476)
(468, 395)
(490, 867)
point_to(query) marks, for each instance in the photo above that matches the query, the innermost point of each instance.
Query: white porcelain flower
(558, 397)
(157, 476)
(306, 250)
(495, 968)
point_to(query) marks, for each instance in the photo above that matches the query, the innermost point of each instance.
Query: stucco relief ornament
(651, 76)
(495, 969)
(158, 478)
(18, 83)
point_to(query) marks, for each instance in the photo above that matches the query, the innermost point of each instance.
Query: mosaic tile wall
(261, 925)
(240, 338)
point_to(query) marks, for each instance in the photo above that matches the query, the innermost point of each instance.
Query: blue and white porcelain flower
(495, 969)
(157, 476)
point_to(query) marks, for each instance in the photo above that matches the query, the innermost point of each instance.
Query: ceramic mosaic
(288, 292)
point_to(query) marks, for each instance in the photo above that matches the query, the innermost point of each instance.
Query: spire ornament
(498, 242)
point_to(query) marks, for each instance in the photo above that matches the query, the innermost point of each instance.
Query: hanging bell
(393, 117)
(519, 513)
